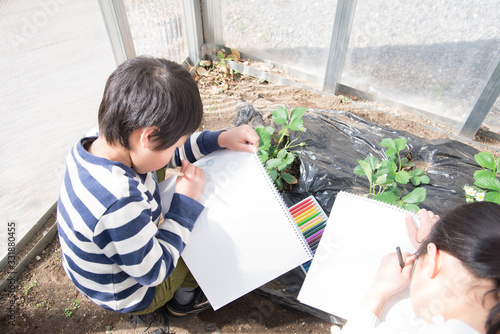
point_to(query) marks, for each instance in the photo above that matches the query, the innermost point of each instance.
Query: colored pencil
(311, 221)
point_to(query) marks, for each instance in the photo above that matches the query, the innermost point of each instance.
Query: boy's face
(149, 160)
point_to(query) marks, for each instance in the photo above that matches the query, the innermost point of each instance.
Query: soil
(47, 302)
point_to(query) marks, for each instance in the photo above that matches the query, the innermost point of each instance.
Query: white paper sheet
(245, 237)
(358, 234)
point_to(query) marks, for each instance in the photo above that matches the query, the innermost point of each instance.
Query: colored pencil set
(311, 220)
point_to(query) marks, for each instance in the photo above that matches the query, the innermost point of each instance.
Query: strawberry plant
(385, 176)
(274, 148)
(486, 184)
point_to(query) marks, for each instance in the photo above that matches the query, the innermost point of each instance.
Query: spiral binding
(283, 206)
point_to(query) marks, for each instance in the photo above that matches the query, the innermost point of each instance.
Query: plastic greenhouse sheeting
(54, 62)
(335, 141)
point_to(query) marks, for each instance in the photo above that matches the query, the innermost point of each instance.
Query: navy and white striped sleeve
(197, 146)
(153, 254)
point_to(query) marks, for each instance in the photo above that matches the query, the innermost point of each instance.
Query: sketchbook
(245, 236)
(360, 231)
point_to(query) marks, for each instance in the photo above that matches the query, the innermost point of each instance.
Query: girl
(455, 285)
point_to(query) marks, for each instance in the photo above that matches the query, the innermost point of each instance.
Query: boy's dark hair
(150, 92)
(471, 233)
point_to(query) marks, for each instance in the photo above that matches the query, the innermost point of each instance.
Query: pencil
(173, 172)
(400, 257)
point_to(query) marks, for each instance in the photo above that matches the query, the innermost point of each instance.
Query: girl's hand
(427, 221)
(242, 138)
(192, 183)
(389, 280)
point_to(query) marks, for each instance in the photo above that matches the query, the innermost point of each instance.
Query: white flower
(470, 191)
(480, 197)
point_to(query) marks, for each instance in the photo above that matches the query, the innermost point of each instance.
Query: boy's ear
(147, 136)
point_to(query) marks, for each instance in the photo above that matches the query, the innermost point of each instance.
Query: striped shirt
(107, 218)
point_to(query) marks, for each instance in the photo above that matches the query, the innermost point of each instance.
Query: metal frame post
(344, 16)
(191, 10)
(483, 105)
(116, 21)
(212, 26)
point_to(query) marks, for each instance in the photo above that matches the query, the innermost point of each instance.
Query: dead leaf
(202, 71)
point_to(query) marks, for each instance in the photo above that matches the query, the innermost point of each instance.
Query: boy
(117, 247)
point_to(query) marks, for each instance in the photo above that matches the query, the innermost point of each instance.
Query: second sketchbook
(359, 232)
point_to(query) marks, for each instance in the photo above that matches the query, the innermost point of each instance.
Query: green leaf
(394, 188)
(485, 160)
(415, 180)
(484, 173)
(424, 179)
(383, 168)
(285, 155)
(417, 176)
(358, 170)
(389, 143)
(280, 115)
(417, 172)
(391, 166)
(488, 183)
(282, 154)
(492, 196)
(381, 178)
(264, 138)
(406, 163)
(269, 129)
(273, 163)
(288, 178)
(386, 197)
(402, 177)
(297, 113)
(374, 162)
(263, 156)
(296, 125)
(279, 184)
(411, 207)
(400, 143)
(383, 181)
(273, 173)
(366, 168)
(286, 158)
(272, 151)
(390, 152)
(416, 196)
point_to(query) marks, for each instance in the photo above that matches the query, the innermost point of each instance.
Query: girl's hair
(150, 92)
(471, 233)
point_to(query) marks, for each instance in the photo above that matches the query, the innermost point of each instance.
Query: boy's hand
(242, 138)
(192, 183)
